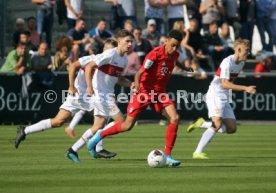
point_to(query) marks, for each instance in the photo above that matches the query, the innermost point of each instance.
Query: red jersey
(158, 67)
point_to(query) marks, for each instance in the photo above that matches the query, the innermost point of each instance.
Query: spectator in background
(231, 16)
(193, 10)
(129, 10)
(150, 33)
(80, 37)
(226, 39)
(215, 45)
(198, 72)
(175, 12)
(265, 65)
(18, 60)
(134, 62)
(141, 46)
(263, 9)
(128, 25)
(19, 28)
(63, 50)
(45, 18)
(74, 12)
(247, 18)
(41, 63)
(211, 10)
(154, 9)
(100, 34)
(25, 38)
(272, 21)
(31, 27)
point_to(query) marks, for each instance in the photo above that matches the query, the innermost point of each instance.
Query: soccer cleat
(195, 125)
(93, 152)
(172, 162)
(200, 156)
(72, 155)
(105, 154)
(21, 135)
(91, 144)
(69, 132)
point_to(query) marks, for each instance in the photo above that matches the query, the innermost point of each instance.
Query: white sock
(76, 119)
(206, 124)
(40, 126)
(99, 146)
(81, 142)
(222, 129)
(207, 136)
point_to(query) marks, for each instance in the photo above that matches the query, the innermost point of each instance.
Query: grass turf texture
(243, 162)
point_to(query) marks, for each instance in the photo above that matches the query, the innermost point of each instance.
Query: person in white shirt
(175, 12)
(72, 105)
(110, 66)
(74, 12)
(218, 96)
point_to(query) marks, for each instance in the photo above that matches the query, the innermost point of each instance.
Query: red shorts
(140, 101)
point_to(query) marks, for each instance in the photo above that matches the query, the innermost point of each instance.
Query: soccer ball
(156, 159)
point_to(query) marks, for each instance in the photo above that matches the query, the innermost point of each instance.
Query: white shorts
(74, 104)
(105, 106)
(219, 108)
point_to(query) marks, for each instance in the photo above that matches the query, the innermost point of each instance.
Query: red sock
(171, 133)
(117, 128)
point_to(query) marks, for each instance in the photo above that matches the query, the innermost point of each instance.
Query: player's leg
(62, 116)
(201, 123)
(100, 151)
(231, 125)
(71, 153)
(70, 130)
(207, 136)
(171, 133)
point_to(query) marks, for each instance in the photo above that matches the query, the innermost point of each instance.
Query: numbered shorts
(74, 104)
(141, 101)
(219, 108)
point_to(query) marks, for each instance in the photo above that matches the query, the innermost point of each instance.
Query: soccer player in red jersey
(149, 88)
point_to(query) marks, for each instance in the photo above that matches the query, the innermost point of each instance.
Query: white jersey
(80, 82)
(229, 70)
(110, 66)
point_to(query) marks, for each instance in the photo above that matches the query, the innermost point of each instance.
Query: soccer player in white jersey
(110, 65)
(72, 104)
(219, 110)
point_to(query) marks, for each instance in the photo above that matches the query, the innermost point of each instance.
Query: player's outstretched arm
(226, 84)
(72, 71)
(135, 87)
(88, 77)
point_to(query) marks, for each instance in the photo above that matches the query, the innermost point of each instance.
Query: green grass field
(243, 162)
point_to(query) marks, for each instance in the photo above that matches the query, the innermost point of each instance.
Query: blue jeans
(272, 24)
(263, 26)
(45, 20)
(247, 31)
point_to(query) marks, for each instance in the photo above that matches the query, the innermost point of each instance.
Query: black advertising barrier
(187, 93)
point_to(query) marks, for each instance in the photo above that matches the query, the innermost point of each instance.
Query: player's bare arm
(136, 85)
(88, 77)
(226, 84)
(72, 71)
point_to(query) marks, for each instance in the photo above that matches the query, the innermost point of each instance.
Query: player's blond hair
(243, 42)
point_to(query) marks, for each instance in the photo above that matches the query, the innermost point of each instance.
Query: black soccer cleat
(21, 135)
(72, 155)
(105, 154)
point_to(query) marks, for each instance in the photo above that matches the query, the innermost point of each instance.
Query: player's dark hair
(112, 42)
(124, 33)
(176, 34)
(30, 18)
